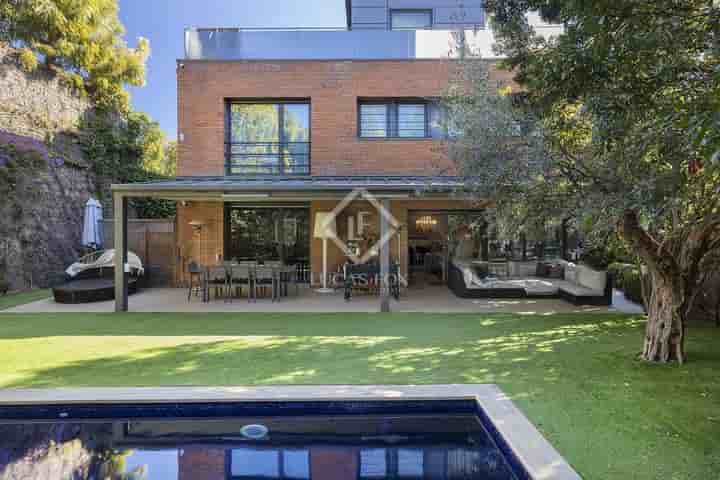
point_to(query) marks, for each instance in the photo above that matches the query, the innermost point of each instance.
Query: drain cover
(254, 431)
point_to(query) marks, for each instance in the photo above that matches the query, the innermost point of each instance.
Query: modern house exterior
(277, 128)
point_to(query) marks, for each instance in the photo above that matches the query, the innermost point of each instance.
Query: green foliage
(80, 39)
(19, 166)
(160, 157)
(596, 257)
(28, 60)
(627, 91)
(629, 108)
(153, 207)
(498, 145)
(627, 278)
(120, 147)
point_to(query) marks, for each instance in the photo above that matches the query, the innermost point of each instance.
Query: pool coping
(533, 451)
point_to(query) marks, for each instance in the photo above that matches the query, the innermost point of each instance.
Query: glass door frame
(230, 206)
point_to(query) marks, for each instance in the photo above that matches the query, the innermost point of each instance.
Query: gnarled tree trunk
(664, 291)
(665, 329)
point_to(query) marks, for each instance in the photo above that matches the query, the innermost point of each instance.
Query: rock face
(44, 178)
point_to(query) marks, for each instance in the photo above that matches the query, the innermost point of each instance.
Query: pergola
(274, 189)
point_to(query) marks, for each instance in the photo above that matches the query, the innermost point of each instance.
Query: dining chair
(289, 274)
(217, 278)
(264, 277)
(238, 277)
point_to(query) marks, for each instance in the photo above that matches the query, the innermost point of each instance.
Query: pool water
(347, 443)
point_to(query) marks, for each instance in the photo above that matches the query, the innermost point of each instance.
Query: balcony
(329, 44)
(267, 158)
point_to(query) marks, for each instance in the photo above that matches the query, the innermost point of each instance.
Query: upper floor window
(268, 138)
(393, 119)
(410, 19)
(384, 463)
(249, 463)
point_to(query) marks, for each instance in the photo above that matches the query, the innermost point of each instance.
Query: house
(283, 134)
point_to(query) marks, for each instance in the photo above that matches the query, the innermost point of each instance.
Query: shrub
(596, 257)
(628, 280)
(617, 268)
(28, 60)
(4, 286)
(632, 285)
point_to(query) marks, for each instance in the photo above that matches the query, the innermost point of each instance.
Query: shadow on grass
(442, 349)
(17, 326)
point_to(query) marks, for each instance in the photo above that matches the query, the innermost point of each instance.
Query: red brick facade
(196, 463)
(326, 463)
(333, 88)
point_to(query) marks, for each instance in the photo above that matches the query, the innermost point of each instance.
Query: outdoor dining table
(280, 277)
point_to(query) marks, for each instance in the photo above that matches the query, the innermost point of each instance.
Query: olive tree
(625, 105)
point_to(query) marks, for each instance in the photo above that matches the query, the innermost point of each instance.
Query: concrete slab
(533, 451)
(422, 299)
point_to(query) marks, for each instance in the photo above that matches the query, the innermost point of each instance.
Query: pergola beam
(120, 213)
(385, 260)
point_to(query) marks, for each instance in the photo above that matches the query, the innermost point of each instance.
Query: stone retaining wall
(42, 214)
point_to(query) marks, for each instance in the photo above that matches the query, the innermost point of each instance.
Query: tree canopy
(82, 40)
(627, 102)
(128, 149)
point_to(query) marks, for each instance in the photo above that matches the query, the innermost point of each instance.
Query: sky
(164, 21)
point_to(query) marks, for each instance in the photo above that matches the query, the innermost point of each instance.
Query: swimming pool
(310, 432)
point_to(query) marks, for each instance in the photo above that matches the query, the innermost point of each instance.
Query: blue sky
(163, 23)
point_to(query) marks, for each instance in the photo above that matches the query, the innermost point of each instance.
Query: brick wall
(201, 463)
(205, 245)
(333, 88)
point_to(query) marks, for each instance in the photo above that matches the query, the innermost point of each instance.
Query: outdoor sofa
(579, 284)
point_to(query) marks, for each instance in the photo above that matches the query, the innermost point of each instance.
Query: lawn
(14, 299)
(575, 376)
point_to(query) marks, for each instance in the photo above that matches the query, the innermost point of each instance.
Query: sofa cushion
(592, 279)
(576, 289)
(542, 270)
(570, 274)
(557, 271)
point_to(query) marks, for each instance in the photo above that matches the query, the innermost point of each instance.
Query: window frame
(392, 464)
(428, 11)
(282, 475)
(392, 118)
(229, 102)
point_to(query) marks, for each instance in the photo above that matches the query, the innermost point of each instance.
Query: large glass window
(267, 233)
(268, 138)
(410, 19)
(393, 119)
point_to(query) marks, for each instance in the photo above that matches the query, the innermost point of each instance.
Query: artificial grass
(14, 299)
(575, 376)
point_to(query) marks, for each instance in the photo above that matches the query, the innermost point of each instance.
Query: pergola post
(385, 260)
(120, 213)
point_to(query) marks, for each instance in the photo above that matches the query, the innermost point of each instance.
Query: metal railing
(267, 158)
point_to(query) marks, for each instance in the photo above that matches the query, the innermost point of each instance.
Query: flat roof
(297, 183)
